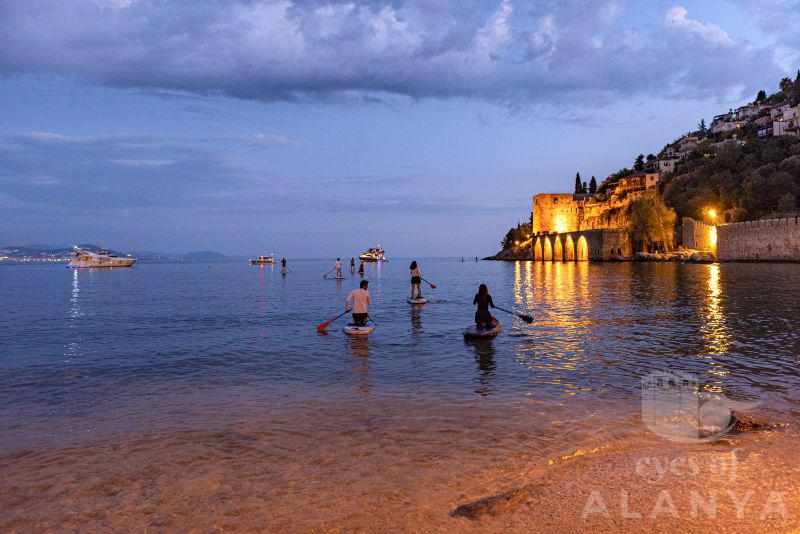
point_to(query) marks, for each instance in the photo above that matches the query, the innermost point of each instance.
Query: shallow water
(200, 395)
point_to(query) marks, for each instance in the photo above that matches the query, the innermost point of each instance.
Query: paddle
(527, 318)
(433, 286)
(325, 276)
(323, 326)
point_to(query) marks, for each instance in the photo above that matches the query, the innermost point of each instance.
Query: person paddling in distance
(338, 267)
(483, 319)
(361, 268)
(361, 299)
(283, 266)
(416, 280)
(352, 265)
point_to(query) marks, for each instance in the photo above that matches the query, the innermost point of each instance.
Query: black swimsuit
(483, 319)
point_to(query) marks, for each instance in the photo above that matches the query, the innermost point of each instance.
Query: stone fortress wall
(763, 240)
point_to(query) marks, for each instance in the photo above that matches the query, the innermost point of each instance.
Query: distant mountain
(55, 252)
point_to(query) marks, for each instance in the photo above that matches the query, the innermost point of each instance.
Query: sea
(201, 398)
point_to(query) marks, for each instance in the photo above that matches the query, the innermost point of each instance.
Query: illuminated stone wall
(764, 240)
(556, 213)
(698, 235)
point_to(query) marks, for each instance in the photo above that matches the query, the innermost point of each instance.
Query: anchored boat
(89, 260)
(263, 260)
(373, 255)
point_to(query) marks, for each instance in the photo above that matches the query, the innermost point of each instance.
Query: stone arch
(569, 249)
(548, 250)
(558, 250)
(537, 249)
(583, 249)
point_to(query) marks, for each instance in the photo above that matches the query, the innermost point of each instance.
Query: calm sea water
(144, 391)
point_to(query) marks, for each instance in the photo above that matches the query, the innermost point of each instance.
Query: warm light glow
(713, 238)
(712, 213)
(561, 225)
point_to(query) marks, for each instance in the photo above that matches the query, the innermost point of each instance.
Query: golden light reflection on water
(557, 295)
(715, 331)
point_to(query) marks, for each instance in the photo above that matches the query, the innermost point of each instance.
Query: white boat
(373, 255)
(91, 260)
(263, 260)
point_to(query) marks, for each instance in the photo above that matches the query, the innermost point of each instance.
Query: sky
(320, 128)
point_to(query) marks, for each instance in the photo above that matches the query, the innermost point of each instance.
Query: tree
(786, 86)
(762, 96)
(578, 184)
(638, 165)
(651, 157)
(651, 220)
(584, 188)
(592, 186)
(701, 127)
(786, 204)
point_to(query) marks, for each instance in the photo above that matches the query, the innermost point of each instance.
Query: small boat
(373, 255)
(417, 301)
(353, 330)
(473, 332)
(263, 260)
(90, 260)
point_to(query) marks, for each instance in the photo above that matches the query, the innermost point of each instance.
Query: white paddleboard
(354, 330)
(417, 301)
(472, 332)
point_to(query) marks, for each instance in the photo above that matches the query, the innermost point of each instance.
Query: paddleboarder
(361, 299)
(361, 268)
(416, 279)
(352, 265)
(283, 266)
(483, 319)
(338, 267)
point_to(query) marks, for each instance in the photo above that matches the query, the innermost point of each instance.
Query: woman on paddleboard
(483, 319)
(361, 299)
(416, 280)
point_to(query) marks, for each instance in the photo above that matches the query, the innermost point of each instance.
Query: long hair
(413, 264)
(483, 290)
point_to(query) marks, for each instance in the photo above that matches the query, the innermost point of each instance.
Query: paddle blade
(323, 326)
(527, 318)
(433, 286)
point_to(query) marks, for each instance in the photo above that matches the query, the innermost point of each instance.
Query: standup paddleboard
(417, 301)
(354, 330)
(472, 332)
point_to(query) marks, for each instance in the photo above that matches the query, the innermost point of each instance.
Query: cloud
(676, 17)
(517, 53)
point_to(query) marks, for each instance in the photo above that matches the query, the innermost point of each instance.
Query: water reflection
(484, 357)
(715, 331)
(416, 319)
(358, 348)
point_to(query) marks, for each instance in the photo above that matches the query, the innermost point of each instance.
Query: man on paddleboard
(338, 267)
(283, 265)
(361, 299)
(352, 265)
(483, 319)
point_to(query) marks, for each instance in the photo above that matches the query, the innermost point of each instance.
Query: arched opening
(569, 249)
(537, 250)
(558, 250)
(548, 250)
(583, 249)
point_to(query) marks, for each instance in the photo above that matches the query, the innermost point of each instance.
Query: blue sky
(319, 128)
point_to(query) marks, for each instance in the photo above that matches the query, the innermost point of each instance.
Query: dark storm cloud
(513, 52)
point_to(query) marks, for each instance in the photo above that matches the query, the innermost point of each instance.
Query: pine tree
(592, 186)
(638, 165)
(584, 188)
(702, 127)
(578, 184)
(762, 96)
